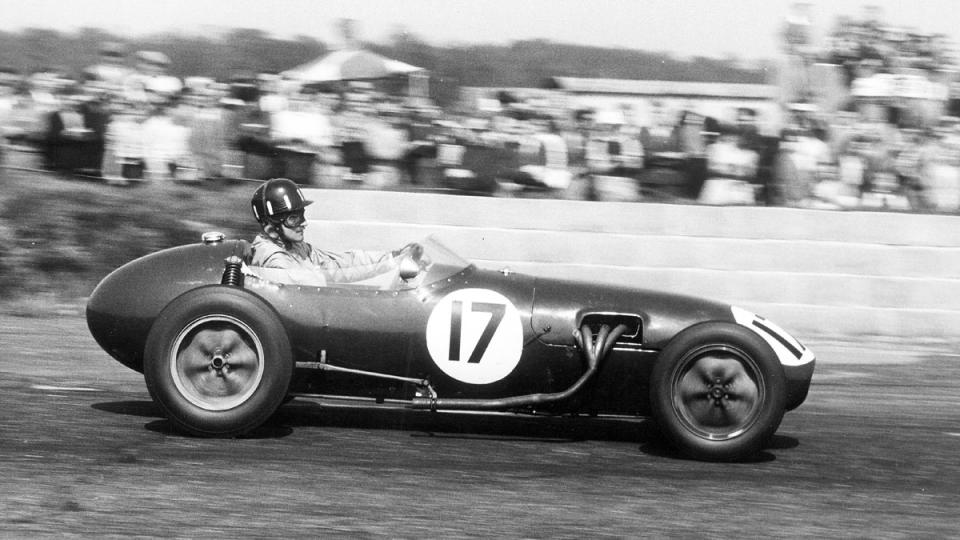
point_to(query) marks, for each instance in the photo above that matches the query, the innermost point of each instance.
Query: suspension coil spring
(232, 274)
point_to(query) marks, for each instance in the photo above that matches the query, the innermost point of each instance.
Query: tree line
(239, 52)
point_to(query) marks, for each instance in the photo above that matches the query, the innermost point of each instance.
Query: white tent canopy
(349, 65)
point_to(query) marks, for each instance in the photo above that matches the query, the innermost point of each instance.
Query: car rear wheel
(717, 392)
(218, 361)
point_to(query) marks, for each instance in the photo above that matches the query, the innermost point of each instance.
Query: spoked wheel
(218, 361)
(717, 392)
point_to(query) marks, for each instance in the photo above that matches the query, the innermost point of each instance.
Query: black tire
(717, 392)
(218, 361)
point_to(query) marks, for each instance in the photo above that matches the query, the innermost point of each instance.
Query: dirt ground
(83, 452)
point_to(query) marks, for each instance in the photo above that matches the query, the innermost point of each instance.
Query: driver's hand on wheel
(412, 250)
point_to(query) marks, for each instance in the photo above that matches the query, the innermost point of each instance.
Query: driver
(278, 205)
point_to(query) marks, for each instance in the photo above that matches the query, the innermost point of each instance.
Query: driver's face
(293, 234)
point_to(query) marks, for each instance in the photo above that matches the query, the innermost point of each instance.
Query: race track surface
(83, 451)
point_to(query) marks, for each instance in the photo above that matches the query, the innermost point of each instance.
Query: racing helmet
(275, 198)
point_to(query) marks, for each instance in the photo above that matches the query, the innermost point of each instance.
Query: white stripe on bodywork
(786, 357)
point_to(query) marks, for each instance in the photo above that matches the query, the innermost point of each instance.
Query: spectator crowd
(128, 124)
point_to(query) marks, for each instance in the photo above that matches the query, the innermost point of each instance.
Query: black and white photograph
(479, 269)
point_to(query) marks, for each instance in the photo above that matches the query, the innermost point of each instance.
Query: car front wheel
(717, 392)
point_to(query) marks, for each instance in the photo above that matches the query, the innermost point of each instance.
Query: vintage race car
(222, 346)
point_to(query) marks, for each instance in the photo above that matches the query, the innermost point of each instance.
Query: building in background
(640, 102)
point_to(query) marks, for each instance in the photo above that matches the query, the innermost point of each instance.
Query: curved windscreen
(440, 260)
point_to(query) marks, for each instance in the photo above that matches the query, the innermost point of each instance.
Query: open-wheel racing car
(221, 347)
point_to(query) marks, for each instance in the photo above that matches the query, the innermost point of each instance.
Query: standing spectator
(233, 114)
(271, 100)
(123, 158)
(841, 130)
(802, 151)
(8, 102)
(111, 71)
(577, 137)
(851, 166)
(908, 168)
(613, 159)
(830, 191)
(352, 132)
(207, 128)
(660, 135)
(96, 118)
(301, 132)
(546, 162)
(731, 170)
(881, 187)
(387, 143)
(152, 76)
(940, 176)
(67, 138)
(675, 153)
(166, 145)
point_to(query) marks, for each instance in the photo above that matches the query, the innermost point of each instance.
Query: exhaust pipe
(593, 351)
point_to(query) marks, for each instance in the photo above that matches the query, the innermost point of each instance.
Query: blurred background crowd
(867, 120)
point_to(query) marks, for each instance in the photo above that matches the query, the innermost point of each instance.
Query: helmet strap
(274, 232)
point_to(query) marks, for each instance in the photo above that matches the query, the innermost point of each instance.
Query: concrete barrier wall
(818, 273)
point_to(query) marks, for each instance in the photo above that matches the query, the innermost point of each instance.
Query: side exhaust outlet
(593, 350)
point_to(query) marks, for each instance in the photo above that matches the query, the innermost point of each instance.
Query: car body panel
(123, 306)
(470, 333)
(562, 305)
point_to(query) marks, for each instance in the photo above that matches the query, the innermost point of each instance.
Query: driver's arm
(353, 266)
(296, 276)
(281, 267)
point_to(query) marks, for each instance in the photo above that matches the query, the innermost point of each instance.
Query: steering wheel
(411, 261)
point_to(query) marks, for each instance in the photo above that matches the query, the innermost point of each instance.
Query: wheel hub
(716, 395)
(219, 361)
(718, 392)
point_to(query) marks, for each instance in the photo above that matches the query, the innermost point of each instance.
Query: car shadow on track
(660, 448)
(448, 425)
(145, 409)
(501, 426)
(308, 414)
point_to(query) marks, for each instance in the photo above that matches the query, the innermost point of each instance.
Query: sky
(745, 28)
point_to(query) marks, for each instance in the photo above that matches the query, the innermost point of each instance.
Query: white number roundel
(475, 336)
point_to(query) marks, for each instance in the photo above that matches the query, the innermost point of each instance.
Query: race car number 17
(475, 336)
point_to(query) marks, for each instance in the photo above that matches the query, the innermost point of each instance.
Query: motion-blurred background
(126, 130)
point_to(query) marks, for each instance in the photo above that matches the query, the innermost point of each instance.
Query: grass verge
(59, 236)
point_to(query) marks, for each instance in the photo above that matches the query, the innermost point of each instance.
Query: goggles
(293, 219)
